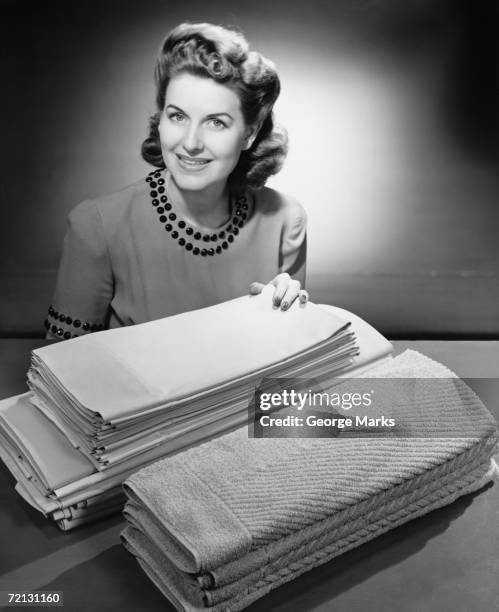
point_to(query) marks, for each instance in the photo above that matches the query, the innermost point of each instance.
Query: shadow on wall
(393, 118)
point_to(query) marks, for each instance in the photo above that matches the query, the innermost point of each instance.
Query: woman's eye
(177, 117)
(217, 124)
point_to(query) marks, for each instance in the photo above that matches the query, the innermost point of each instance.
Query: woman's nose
(193, 142)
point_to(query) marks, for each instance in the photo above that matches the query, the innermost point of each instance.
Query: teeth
(191, 162)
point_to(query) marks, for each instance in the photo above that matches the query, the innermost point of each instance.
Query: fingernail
(284, 305)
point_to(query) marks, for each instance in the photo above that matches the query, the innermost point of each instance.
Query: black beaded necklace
(191, 238)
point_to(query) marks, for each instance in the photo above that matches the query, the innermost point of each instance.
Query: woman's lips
(192, 163)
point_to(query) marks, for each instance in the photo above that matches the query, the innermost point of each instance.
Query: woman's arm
(84, 286)
(289, 283)
(293, 253)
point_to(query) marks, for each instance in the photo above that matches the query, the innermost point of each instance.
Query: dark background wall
(393, 115)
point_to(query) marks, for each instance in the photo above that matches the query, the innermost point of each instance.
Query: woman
(201, 228)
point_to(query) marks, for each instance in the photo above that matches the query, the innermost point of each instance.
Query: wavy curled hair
(222, 54)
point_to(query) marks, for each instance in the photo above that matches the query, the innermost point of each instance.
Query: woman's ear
(251, 134)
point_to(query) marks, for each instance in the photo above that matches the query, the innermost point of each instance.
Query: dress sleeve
(84, 286)
(293, 255)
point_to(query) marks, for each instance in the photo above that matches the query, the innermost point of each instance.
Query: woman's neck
(209, 207)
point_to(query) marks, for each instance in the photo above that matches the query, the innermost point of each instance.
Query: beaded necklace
(187, 236)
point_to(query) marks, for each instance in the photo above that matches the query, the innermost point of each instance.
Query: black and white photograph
(249, 299)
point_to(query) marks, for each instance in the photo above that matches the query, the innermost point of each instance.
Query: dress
(120, 267)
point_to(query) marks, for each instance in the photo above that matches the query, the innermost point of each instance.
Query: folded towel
(187, 593)
(218, 501)
(221, 525)
(259, 562)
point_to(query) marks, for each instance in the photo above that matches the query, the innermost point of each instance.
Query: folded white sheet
(136, 368)
(62, 452)
(176, 388)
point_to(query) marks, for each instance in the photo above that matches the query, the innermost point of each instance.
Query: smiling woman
(202, 132)
(201, 228)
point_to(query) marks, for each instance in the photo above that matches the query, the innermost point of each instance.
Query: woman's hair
(222, 54)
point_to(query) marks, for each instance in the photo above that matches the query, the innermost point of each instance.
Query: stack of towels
(218, 526)
(104, 405)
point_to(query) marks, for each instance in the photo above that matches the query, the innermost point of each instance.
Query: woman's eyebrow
(210, 116)
(176, 108)
(213, 115)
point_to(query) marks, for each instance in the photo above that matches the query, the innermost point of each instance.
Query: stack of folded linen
(219, 526)
(104, 405)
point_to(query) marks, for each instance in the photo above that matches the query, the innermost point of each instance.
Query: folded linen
(64, 479)
(66, 459)
(132, 406)
(35, 439)
(220, 513)
(138, 357)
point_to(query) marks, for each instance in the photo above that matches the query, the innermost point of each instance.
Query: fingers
(281, 283)
(286, 291)
(291, 294)
(256, 288)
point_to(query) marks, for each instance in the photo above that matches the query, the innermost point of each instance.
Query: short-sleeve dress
(126, 258)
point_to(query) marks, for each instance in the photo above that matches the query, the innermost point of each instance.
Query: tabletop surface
(445, 561)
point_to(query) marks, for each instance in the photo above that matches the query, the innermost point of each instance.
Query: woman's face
(202, 132)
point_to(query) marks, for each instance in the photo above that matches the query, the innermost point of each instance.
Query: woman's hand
(286, 290)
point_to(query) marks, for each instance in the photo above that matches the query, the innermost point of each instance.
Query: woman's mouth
(194, 163)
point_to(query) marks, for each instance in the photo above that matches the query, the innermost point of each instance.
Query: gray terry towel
(181, 588)
(227, 581)
(217, 502)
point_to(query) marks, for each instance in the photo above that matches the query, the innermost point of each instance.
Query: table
(445, 561)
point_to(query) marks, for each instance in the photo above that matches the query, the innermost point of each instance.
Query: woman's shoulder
(272, 202)
(109, 208)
